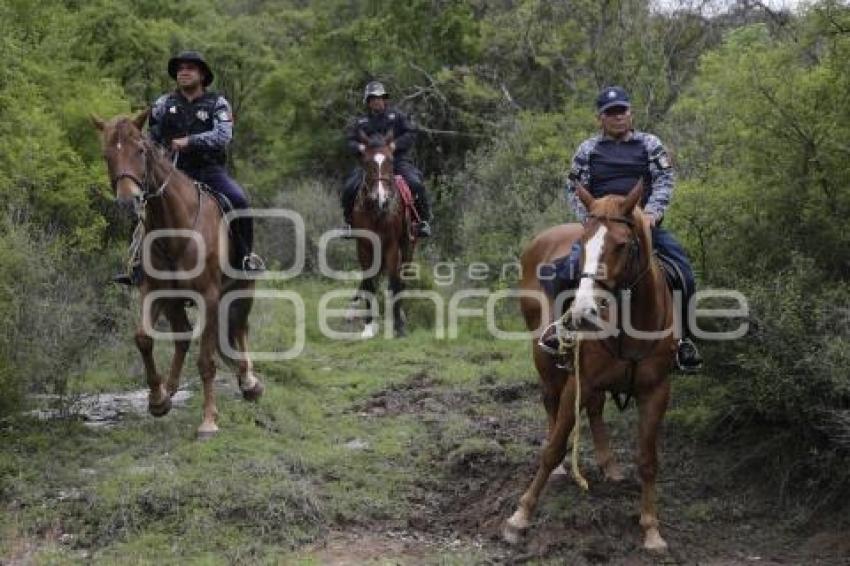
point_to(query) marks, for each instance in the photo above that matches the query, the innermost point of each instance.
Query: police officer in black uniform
(380, 119)
(197, 125)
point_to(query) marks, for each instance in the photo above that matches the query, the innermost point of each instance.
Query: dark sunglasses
(615, 110)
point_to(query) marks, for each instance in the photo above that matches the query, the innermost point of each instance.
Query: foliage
(750, 102)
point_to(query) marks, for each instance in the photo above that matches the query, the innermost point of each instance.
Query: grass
(280, 474)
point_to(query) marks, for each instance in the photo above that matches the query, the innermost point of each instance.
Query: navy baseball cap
(612, 96)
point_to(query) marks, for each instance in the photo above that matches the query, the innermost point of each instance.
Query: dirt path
(476, 455)
(476, 481)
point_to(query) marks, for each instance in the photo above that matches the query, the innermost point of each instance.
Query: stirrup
(253, 262)
(694, 364)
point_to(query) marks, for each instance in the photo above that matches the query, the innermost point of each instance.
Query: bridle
(142, 184)
(369, 181)
(620, 290)
(634, 256)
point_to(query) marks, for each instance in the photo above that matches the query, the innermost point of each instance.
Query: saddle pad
(223, 202)
(406, 196)
(675, 279)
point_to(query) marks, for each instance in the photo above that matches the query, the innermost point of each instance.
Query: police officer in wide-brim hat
(190, 57)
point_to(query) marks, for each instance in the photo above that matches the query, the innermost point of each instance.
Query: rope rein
(577, 475)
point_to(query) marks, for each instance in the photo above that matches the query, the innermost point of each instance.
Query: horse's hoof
(559, 472)
(654, 543)
(370, 331)
(207, 433)
(160, 409)
(255, 392)
(513, 534)
(613, 473)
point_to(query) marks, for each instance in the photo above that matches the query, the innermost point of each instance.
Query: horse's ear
(97, 122)
(140, 119)
(633, 198)
(389, 137)
(585, 197)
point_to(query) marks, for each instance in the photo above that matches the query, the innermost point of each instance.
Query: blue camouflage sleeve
(662, 175)
(155, 120)
(222, 131)
(579, 175)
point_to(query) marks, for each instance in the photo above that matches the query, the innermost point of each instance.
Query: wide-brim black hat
(191, 57)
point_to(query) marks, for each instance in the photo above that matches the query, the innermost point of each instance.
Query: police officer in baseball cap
(611, 163)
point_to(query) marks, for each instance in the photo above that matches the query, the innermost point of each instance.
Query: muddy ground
(707, 516)
(478, 454)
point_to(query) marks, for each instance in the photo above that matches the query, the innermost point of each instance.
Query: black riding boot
(246, 259)
(688, 358)
(423, 209)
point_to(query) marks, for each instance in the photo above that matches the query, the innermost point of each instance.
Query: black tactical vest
(183, 118)
(615, 168)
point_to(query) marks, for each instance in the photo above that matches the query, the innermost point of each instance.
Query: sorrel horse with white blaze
(189, 263)
(617, 260)
(380, 209)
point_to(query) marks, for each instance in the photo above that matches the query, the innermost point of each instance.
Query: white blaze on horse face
(592, 252)
(382, 192)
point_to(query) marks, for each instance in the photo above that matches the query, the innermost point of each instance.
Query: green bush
(55, 310)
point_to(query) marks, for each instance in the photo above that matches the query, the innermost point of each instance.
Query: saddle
(409, 208)
(560, 269)
(224, 205)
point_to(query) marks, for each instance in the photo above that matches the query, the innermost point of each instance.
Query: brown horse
(617, 260)
(141, 174)
(380, 210)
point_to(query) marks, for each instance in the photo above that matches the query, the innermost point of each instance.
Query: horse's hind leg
(250, 386)
(159, 402)
(206, 364)
(651, 407)
(553, 454)
(176, 314)
(601, 440)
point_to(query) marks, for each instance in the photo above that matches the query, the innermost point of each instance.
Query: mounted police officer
(197, 125)
(380, 119)
(612, 162)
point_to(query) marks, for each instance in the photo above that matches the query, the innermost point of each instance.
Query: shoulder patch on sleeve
(158, 108)
(363, 120)
(223, 115)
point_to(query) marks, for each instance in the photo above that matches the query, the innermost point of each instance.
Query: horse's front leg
(601, 440)
(366, 293)
(176, 314)
(396, 286)
(159, 402)
(366, 290)
(553, 454)
(652, 405)
(206, 364)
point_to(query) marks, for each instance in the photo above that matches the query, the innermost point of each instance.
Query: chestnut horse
(617, 260)
(141, 174)
(380, 210)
